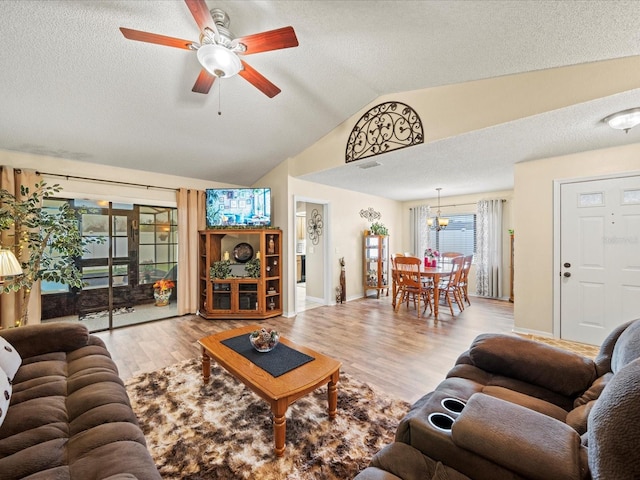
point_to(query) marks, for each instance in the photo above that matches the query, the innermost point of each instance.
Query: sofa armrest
(557, 370)
(524, 441)
(38, 339)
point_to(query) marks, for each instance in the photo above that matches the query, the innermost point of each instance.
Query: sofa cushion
(614, 427)
(627, 347)
(5, 395)
(532, 403)
(47, 338)
(401, 461)
(523, 441)
(578, 417)
(557, 370)
(10, 359)
(594, 391)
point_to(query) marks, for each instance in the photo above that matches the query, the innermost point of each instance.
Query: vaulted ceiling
(495, 83)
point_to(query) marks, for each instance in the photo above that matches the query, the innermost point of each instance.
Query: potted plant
(378, 228)
(162, 292)
(46, 241)
(220, 269)
(252, 267)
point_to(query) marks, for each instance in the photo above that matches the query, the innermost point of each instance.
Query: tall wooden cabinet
(240, 295)
(376, 263)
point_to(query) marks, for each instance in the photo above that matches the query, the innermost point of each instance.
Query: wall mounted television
(228, 207)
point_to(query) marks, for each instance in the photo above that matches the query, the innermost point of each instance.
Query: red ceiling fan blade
(257, 80)
(204, 82)
(155, 38)
(283, 37)
(201, 14)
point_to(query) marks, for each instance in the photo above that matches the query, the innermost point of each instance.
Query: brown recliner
(513, 408)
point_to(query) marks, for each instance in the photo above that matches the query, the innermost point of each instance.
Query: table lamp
(9, 265)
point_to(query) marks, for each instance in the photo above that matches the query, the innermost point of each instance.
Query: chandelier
(438, 223)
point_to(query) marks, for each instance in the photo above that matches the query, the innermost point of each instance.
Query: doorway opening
(311, 248)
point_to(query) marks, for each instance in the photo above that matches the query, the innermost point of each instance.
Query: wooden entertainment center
(238, 294)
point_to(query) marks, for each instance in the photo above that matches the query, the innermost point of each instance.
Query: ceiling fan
(218, 51)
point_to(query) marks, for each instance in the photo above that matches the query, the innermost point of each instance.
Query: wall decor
(386, 127)
(314, 227)
(370, 214)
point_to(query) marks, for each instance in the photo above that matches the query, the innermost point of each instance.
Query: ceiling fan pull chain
(219, 96)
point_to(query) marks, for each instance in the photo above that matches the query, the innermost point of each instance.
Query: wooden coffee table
(280, 391)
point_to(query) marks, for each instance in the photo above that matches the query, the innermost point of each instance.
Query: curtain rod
(458, 204)
(116, 182)
(464, 204)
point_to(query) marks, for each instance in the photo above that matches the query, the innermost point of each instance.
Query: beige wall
(99, 190)
(451, 110)
(344, 228)
(534, 221)
(530, 213)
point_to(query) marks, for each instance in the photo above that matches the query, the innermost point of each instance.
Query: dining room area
(429, 283)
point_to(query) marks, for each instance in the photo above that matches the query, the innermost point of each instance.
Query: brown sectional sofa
(69, 415)
(513, 409)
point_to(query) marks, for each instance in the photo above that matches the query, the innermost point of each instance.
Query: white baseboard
(537, 333)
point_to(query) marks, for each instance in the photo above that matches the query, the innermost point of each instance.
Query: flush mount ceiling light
(624, 120)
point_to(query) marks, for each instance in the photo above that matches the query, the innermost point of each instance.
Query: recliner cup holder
(452, 404)
(441, 421)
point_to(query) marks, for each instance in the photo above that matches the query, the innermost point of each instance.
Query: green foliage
(221, 269)
(253, 268)
(46, 241)
(378, 228)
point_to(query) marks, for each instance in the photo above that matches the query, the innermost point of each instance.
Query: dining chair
(411, 287)
(446, 258)
(449, 287)
(395, 285)
(464, 278)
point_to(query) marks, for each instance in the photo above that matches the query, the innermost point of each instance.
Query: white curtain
(419, 231)
(489, 270)
(11, 303)
(191, 219)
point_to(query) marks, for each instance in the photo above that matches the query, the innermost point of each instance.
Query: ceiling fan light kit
(219, 61)
(624, 120)
(218, 51)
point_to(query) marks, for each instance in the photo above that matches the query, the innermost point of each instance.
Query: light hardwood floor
(397, 353)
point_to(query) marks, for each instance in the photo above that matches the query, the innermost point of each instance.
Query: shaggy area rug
(224, 431)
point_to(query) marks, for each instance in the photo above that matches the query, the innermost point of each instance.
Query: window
(158, 242)
(459, 236)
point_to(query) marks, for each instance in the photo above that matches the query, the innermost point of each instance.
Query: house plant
(220, 269)
(378, 228)
(162, 292)
(46, 241)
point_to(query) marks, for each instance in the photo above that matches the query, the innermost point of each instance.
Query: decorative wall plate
(243, 252)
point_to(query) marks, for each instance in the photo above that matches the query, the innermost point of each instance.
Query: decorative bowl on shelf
(264, 340)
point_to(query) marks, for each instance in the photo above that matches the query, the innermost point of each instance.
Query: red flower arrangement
(164, 285)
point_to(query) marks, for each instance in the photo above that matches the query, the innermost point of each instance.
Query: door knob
(567, 265)
(567, 274)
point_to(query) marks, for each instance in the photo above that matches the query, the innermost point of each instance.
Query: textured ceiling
(72, 86)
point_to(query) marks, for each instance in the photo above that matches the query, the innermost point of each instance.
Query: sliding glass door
(136, 247)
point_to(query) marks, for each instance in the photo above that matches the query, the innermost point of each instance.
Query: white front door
(599, 257)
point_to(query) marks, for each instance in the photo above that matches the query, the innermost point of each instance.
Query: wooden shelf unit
(376, 263)
(241, 296)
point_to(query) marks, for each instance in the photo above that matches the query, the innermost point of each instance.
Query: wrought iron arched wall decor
(384, 128)
(314, 227)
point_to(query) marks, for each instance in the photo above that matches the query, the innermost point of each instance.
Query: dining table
(433, 273)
